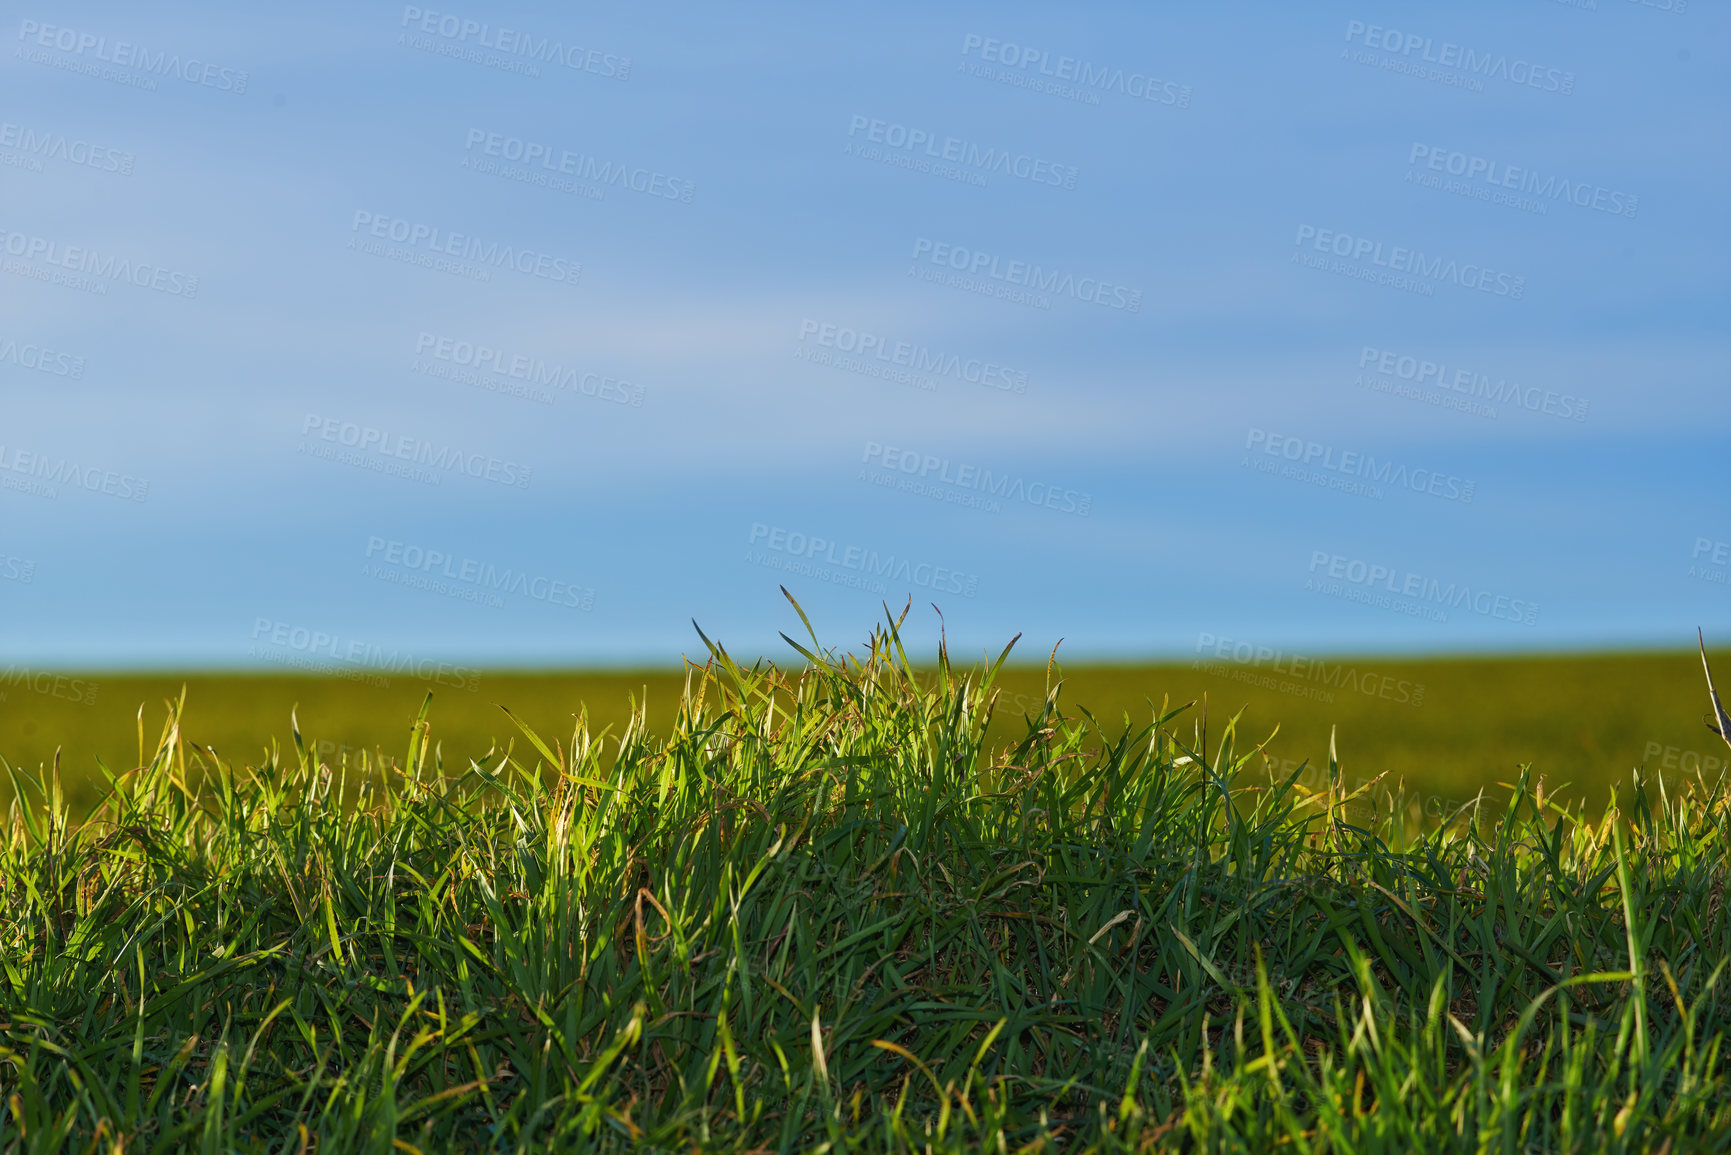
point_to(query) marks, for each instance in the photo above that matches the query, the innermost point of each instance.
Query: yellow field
(1447, 727)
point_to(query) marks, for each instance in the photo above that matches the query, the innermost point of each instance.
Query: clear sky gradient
(527, 333)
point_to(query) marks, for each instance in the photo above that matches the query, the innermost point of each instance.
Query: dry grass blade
(1723, 728)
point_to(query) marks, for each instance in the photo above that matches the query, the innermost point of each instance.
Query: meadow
(851, 904)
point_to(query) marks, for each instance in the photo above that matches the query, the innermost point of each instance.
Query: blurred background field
(1447, 727)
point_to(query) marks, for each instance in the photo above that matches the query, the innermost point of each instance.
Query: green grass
(828, 908)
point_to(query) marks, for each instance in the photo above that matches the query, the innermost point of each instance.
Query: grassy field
(1446, 727)
(840, 910)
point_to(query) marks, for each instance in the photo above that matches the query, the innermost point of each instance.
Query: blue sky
(1367, 327)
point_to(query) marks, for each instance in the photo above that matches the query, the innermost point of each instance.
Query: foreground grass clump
(824, 913)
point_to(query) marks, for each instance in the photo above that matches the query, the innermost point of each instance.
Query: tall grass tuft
(825, 914)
